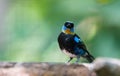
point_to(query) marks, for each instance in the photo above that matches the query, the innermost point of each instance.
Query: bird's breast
(68, 53)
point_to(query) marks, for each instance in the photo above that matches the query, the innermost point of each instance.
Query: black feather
(70, 44)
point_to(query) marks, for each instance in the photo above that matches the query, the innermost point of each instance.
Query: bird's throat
(68, 31)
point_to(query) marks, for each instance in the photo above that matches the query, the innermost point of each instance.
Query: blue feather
(79, 51)
(64, 28)
(72, 29)
(76, 39)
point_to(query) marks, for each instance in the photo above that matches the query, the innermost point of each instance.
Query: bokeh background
(29, 28)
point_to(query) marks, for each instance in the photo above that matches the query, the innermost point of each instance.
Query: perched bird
(71, 44)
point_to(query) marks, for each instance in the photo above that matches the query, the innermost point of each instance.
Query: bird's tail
(90, 58)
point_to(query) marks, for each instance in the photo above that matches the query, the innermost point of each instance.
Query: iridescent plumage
(71, 44)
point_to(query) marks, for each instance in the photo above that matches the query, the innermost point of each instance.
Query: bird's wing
(82, 46)
(79, 42)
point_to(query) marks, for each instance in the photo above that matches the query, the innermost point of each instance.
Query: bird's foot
(77, 62)
(67, 63)
(78, 59)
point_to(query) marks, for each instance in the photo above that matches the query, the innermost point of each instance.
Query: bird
(72, 45)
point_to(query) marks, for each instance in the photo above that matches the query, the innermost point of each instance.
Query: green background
(29, 28)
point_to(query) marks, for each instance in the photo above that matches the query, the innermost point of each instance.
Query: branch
(100, 67)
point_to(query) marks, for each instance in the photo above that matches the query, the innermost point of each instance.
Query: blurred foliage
(31, 28)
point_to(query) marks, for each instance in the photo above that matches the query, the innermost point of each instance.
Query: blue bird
(72, 45)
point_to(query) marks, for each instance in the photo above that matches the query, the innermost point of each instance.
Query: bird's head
(68, 27)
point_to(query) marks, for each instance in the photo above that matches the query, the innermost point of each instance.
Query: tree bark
(100, 67)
